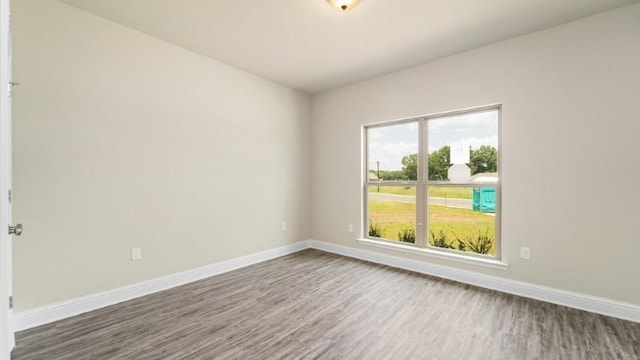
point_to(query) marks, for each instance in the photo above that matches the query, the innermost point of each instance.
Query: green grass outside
(396, 190)
(393, 216)
(448, 192)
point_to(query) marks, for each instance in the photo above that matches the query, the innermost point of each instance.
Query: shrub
(375, 230)
(440, 240)
(482, 244)
(407, 235)
(461, 246)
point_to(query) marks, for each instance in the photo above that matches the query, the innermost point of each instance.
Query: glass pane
(464, 148)
(393, 152)
(463, 218)
(392, 212)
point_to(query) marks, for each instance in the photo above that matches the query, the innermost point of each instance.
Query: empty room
(319, 179)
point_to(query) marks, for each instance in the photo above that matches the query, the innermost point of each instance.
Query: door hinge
(9, 196)
(10, 88)
(10, 302)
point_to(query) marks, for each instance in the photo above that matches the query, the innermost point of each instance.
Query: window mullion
(421, 207)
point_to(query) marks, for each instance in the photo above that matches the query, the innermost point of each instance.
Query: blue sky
(390, 143)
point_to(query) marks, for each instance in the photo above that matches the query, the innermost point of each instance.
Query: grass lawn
(393, 216)
(397, 190)
(451, 192)
(448, 192)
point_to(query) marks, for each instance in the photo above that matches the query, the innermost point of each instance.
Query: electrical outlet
(136, 253)
(525, 253)
(350, 228)
(284, 226)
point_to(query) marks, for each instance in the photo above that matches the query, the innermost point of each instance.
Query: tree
(410, 167)
(391, 175)
(485, 159)
(439, 163)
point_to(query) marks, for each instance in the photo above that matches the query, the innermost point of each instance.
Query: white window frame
(422, 185)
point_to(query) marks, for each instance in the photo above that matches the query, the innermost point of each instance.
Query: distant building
(484, 178)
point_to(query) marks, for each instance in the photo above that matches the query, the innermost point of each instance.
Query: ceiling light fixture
(343, 5)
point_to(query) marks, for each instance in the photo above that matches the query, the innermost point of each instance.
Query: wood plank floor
(316, 305)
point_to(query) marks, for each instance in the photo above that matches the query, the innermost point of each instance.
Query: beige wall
(122, 140)
(571, 148)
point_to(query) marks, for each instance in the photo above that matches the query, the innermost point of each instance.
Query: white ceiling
(309, 46)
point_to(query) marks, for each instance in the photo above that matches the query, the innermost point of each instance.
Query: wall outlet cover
(136, 253)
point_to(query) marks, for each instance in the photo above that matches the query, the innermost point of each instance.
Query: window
(391, 194)
(433, 182)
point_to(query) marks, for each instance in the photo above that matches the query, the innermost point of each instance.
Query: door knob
(15, 230)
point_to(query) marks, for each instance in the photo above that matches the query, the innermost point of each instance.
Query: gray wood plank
(317, 305)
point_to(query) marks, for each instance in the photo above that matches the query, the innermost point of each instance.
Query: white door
(7, 340)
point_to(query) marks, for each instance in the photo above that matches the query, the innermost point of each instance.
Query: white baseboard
(570, 299)
(43, 315)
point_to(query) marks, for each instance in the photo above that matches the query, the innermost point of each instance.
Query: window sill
(489, 263)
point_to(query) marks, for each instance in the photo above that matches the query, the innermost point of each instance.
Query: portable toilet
(484, 199)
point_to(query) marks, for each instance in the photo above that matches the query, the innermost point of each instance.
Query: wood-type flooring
(317, 305)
